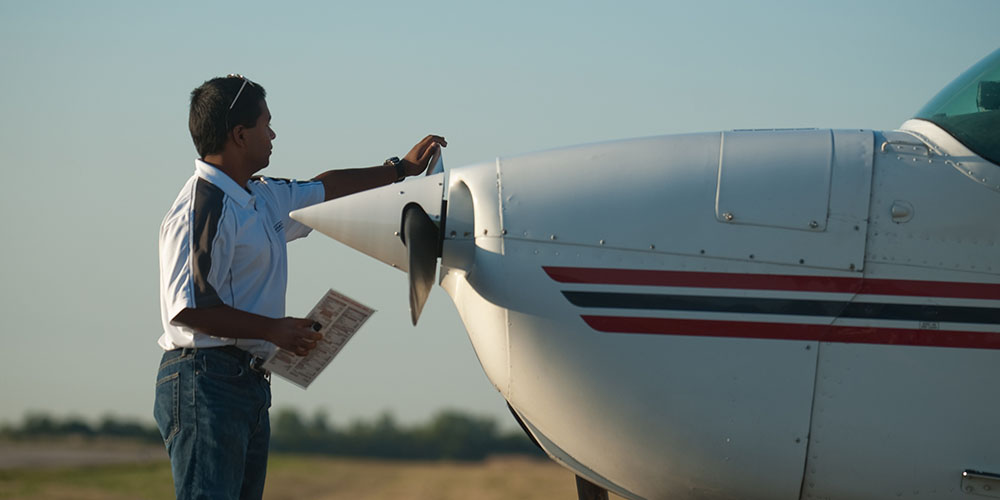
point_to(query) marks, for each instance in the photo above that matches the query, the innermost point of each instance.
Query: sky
(94, 148)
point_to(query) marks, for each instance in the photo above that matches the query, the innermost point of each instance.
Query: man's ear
(238, 136)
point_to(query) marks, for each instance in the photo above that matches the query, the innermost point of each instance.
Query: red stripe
(834, 284)
(795, 331)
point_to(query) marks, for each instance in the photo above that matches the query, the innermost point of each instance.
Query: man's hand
(419, 157)
(296, 335)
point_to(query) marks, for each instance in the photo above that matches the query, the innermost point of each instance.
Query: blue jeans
(211, 409)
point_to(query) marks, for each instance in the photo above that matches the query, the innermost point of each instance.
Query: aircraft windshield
(969, 108)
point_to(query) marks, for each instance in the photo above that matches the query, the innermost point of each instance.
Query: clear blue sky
(94, 147)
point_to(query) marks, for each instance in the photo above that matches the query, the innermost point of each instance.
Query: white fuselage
(769, 315)
(748, 314)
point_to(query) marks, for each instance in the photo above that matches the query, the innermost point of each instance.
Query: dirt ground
(126, 471)
(496, 478)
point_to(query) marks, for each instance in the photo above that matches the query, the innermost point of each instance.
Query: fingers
(309, 325)
(419, 157)
(302, 336)
(429, 143)
(430, 140)
(304, 346)
(428, 153)
(436, 139)
(312, 334)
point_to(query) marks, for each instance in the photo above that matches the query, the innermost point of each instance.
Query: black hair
(211, 119)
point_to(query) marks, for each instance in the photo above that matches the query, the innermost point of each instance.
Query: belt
(256, 363)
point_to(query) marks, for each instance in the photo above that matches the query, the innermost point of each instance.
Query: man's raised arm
(343, 182)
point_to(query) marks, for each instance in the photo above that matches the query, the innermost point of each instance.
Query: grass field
(307, 477)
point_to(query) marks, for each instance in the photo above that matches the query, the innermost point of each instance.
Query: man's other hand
(419, 157)
(295, 334)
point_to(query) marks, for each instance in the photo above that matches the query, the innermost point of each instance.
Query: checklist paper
(340, 317)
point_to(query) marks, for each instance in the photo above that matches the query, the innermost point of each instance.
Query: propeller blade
(422, 240)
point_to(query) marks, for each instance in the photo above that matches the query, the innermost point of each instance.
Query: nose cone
(371, 221)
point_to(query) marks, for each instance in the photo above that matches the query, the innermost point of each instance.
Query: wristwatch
(398, 165)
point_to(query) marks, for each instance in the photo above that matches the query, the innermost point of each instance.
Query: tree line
(449, 435)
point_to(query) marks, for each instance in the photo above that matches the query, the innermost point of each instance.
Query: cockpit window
(969, 108)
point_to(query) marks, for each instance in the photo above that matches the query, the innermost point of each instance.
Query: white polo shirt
(223, 244)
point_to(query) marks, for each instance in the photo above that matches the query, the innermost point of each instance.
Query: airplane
(746, 314)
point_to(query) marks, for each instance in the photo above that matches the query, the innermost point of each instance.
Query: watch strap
(395, 163)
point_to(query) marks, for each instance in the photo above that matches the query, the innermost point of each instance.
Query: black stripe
(825, 308)
(207, 213)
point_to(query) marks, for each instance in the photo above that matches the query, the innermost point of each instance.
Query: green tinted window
(969, 108)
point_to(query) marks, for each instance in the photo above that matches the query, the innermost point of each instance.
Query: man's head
(218, 106)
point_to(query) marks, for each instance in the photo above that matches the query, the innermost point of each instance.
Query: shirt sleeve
(197, 244)
(293, 195)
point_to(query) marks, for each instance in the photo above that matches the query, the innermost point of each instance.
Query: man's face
(259, 139)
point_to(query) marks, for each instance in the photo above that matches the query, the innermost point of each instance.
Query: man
(223, 274)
